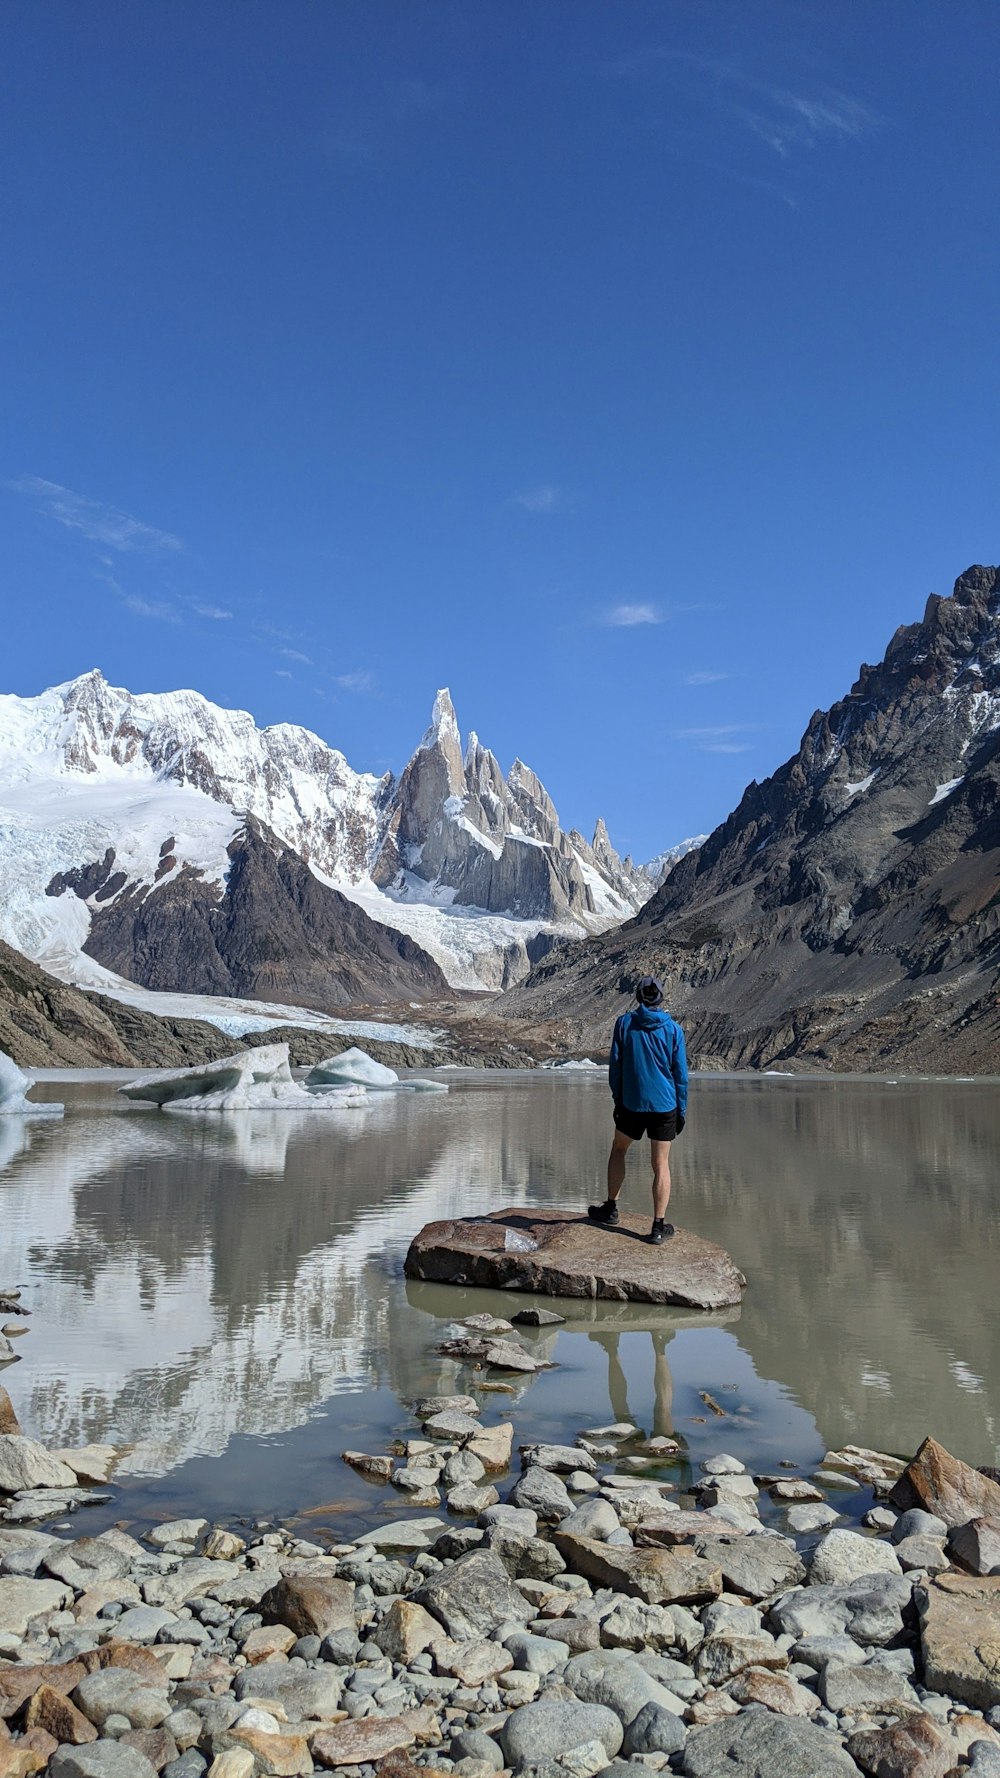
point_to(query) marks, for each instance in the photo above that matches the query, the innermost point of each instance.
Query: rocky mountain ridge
(847, 913)
(120, 812)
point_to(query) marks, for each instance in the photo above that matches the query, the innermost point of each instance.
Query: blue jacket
(647, 1069)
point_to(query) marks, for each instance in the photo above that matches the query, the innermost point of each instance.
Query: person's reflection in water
(663, 1385)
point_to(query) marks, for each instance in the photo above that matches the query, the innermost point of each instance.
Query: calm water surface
(224, 1294)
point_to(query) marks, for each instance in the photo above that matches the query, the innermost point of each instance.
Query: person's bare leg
(616, 1164)
(660, 1154)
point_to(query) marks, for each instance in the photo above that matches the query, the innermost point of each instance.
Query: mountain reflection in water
(223, 1294)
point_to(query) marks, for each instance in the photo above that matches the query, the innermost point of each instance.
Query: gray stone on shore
(426, 1406)
(303, 1691)
(543, 1493)
(805, 1518)
(612, 1677)
(550, 1254)
(117, 1691)
(543, 1730)
(657, 1575)
(592, 1518)
(100, 1759)
(565, 1458)
(473, 1597)
(869, 1610)
(404, 1534)
(538, 1318)
(861, 1690)
(758, 1567)
(21, 1600)
(916, 1523)
(474, 1744)
(654, 1730)
(923, 1553)
(25, 1464)
(843, 1556)
(758, 1744)
(976, 1546)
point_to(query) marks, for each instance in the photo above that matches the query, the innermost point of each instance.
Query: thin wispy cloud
(157, 609)
(706, 678)
(627, 617)
(357, 681)
(214, 612)
(295, 654)
(96, 520)
(282, 673)
(722, 737)
(543, 499)
(787, 115)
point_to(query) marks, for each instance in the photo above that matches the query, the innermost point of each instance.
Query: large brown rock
(360, 1742)
(943, 1484)
(960, 1637)
(660, 1576)
(52, 1710)
(18, 1684)
(310, 1600)
(560, 1253)
(9, 1421)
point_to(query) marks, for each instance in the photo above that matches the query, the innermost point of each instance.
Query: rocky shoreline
(595, 1612)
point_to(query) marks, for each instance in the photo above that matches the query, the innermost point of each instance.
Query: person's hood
(649, 1017)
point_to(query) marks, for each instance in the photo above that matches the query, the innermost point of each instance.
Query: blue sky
(631, 369)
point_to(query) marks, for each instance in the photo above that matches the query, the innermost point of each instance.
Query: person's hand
(680, 1122)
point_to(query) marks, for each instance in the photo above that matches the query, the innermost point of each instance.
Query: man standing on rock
(648, 1075)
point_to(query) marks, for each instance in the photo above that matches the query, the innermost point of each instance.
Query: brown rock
(18, 1761)
(976, 1546)
(124, 1654)
(406, 1631)
(362, 1741)
(9, 1421)
(398, 1766)
(660, 1576)
(557, 1254)
(18, 1684)
(105, 1592)
(580, 1634)
(493, 1446)
(40, 1741)
(943, 1484)
(284, 1756)
(158, 1745)
(271, 1642)
(960, 1637)
(774, 1690)
(54, 1712)
(918, 1746)
(311, 1600)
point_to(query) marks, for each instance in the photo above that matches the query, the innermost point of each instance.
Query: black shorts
(659, 1126)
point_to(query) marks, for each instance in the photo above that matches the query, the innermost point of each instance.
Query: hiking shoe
(606, 1213)
(660, 1232)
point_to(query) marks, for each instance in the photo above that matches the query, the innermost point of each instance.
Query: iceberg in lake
(354, 1067)
(253, 1080)
(14, 1088)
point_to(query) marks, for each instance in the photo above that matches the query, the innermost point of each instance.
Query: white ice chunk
(586, 1063)
(944, 790)
(354, 1068)
(253, 1080)
(351, 1066)
(14, 1088)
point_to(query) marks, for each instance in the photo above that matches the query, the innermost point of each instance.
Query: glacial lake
(224, 1296)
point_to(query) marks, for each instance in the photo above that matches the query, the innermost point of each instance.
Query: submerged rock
(555, 1253)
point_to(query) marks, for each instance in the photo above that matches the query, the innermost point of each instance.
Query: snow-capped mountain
(129, 824)
(848, 911)
(658, 869)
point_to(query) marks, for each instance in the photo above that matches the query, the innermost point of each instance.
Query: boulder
(758, 1567)
(25, 1464)
(543, 1493)
(543, 1730)
(947, 1487)
(101, 1759)
(363, 1741)
(960, 1638)
(870, 1611)
(758, 1744)
(659, 1576)
(21, 1600)
(976, 1546)
(473, 1596)
(843, 1556)
(311, 1600)
(551, 1253)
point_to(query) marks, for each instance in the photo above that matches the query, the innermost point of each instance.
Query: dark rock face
(275, 933)
(848, 912)
(556, 1254)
